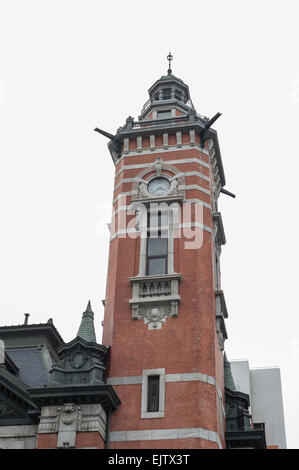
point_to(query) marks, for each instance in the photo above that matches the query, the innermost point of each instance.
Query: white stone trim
(205, 204)
(22, 430)
(133, 230)
(190, 377)
(179, 138)
(139, 143)
(168, 162)
(194, 173)
(195, 201)
(160, 434)
(184, 377)
(123, 232)
(152, 141)
(165, 140)
(145, 374)
(196, 224)
(192, 137)
(196, 186)
(183, 187)
(126, 145)
(181, 173)
(170, 148)
(120, 195)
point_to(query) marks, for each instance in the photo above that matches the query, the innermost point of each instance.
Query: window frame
(163, 112)
(144, 393)
(158, 231)
(151, 379)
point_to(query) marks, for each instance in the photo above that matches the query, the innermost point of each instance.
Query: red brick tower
(164, 308)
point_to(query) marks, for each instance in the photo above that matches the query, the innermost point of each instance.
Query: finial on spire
(88, 308)
(169, 58)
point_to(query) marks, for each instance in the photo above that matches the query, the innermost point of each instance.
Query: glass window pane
(158, 218)
(166, 93)
(156, 266)
(157, 246)
(153, 393)
(164, 114)
(153, 218)
(164, 219)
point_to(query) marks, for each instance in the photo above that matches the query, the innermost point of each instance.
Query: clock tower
(164, 307)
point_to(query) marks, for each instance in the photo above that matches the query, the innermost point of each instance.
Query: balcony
(166, 100)
(154, 298)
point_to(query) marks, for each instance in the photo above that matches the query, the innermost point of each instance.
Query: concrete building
(160, 378)
(263, 385)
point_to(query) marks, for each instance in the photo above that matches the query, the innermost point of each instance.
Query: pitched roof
(32, 368)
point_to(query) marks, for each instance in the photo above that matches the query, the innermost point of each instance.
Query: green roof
(86, 329)
(228, 376)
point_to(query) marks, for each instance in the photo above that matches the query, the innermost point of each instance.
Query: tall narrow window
(153, 385)
(157, 243)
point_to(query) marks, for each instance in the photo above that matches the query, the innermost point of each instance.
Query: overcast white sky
(67, 66)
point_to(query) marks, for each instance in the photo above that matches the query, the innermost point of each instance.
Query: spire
(228, 376)
(86, 329)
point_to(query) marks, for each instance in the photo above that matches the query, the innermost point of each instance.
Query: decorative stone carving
(68, 414)
(69, 419)
(78, 360)
(220, 328)
(155, 298)
(142, 190)
(161, 169)
(216, 174)
(158, 166)
(221, 313)
(174, 188)
(155, 316)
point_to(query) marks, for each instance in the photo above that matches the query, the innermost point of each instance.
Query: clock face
(158, 186)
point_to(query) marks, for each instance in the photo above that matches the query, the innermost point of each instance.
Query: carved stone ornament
(69, 414)
(78, 359)
(155, 316)
(68, 420)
